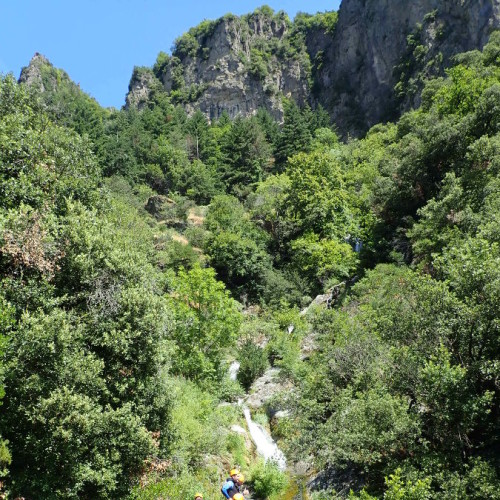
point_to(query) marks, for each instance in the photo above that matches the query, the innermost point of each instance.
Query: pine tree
(295, 136)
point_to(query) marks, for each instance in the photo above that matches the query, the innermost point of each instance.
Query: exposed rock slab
(264, 388)
(357, 78)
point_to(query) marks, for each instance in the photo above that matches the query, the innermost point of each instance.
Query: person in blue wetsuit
(232, 486)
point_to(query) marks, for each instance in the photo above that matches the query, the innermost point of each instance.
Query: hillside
(172, 284)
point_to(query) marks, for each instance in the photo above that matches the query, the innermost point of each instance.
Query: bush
(283, 350)
(235, 444)
(253, 363)
(196, 236)
(268, 480)
(229, 390)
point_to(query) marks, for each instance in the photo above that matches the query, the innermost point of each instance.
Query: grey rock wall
(354, 70)
(357, 79)
(221, 69)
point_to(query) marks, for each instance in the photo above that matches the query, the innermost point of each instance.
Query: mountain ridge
(366, 67)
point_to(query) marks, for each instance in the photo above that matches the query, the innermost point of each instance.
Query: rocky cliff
(366, 69)
(382, 44)
(234, 64)
(40, 73)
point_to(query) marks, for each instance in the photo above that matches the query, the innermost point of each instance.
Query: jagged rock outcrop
(43, 75)
(140, 87)
(370, 52)
(34, 75)
(240, 64)
(265, 388)
(235, 65)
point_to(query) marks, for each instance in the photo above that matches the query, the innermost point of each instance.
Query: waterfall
(266, 447)
(264, 443)
(233, 370)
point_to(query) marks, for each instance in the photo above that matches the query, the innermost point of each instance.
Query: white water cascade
(233, 370)
(266, 447)
(264, 443)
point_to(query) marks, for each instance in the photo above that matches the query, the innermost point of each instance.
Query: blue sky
(98, 42)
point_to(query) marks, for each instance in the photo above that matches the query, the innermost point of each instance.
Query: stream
(266, 447)
(233, 370)
(264, 443)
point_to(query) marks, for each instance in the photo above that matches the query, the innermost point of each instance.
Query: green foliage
(267, 480)
(462, 91)
(199, 426)
(186, 45)
(115, 339)
(258, 65)
(69, 106)
(239, 262)
(325, 21)
(409, 491)
(41, 165)
(201, 447)
(364, 429)
(324, 260)
(295, 135)
(206, 321)
(55, 420)
(236, 247)
(253, 363)
(190, 43)
(6, 323)
(317, 196)
(440, 220)
(246, 156)
(161, 63)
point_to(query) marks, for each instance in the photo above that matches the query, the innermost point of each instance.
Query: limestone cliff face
(370, 52)
(235, 65)
(141, 84)
(368, 69)
(34, 75)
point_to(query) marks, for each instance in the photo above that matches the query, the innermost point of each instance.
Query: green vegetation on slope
(125, 249)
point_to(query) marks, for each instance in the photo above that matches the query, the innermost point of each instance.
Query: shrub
(268, 480)
(253, 363)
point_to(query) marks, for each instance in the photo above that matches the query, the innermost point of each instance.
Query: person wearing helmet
(232, 486)
(198, 496)
(241, 479)
(238, 496)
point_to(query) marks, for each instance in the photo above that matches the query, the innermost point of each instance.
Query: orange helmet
(238, 496)
(198, 495)
(234, 472)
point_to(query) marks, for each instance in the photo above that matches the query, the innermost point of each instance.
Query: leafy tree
(268, 125)
(239, 261)
(206, 322)
(317, 199)
(269, 207)
(197, 127)
(326, 261)
(55, 419)
(6, 323)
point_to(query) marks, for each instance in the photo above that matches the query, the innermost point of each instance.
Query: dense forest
(143, 251)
